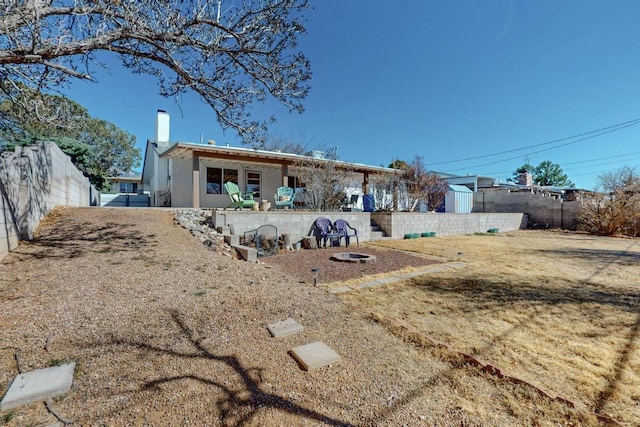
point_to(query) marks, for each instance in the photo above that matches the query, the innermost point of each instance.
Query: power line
(604, 158)
(629, 124)
(626, 156)
(609, 129)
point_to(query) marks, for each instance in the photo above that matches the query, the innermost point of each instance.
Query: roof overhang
(184, 150)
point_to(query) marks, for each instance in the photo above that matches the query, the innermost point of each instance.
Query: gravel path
(166, 332)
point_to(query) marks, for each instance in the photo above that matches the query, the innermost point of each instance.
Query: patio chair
(284, 197)
(323, 230)
(345, 230)
(238, 200)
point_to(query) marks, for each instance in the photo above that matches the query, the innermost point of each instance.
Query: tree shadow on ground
(475, 292)
(598, 256)
(67, 238)
(236, 407)
(620, 365)
(482, 294)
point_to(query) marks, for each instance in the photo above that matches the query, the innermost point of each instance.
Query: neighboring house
(473, 182)
(127, 183)
(126, 191)
(182, 174)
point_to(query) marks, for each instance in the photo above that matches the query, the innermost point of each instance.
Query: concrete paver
(315, 355)
(38, 385)
(284, 328)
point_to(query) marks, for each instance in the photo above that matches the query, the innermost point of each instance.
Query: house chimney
(162, 128)
(525, 178)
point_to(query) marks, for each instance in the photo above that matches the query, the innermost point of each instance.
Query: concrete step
(378, 235)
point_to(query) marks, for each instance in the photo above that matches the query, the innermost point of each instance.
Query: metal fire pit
(353, 257)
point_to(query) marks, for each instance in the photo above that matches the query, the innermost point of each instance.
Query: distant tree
(232, 54)
(398, 164)
(98, 148)
(546, 173)
(284, 144)
(435, 191)
(300, 145)
(525, 168)
(615, 210)
(414, 178)
(418, 185)
(620, 180)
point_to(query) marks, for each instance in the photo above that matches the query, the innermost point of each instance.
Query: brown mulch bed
(298, 264)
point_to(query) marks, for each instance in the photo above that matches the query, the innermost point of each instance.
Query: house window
(231, 175)
(214, 181)
(216, 177)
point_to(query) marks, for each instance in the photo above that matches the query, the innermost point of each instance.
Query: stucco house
(184, 174)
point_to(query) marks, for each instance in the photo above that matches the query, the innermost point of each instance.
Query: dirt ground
(166, 332)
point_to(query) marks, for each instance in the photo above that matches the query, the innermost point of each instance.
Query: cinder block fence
(34, 180)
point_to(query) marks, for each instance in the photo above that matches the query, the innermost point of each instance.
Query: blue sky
(447, 80)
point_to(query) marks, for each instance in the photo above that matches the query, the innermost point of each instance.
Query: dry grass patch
(559, 310)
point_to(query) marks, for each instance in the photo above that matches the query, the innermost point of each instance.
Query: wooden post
(285, 175)
(195, 173)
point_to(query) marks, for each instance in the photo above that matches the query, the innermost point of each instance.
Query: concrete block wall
(543, 212)
(296, 223)
(397, 224)
(34, 180)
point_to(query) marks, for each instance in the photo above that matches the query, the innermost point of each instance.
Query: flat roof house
(184, 174)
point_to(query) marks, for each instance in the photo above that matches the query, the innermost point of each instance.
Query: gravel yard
(167, 332)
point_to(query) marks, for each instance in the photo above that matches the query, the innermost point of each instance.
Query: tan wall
(543, 211)
(34, 180)
(298, 223)
(397, 224)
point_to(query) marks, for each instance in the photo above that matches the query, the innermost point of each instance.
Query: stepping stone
(38, 385)
(315, 355)
(284, 328)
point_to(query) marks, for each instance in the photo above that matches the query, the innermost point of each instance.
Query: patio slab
(315, 355)
(38, 385)
(284, 328)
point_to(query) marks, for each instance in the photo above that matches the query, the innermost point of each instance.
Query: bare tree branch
(232, 53)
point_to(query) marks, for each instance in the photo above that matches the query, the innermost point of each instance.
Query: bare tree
(435, 191)
(383, 187)
(417, 185)
(324, 183)
(616, 210)
(232, 53)
(413, 183)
